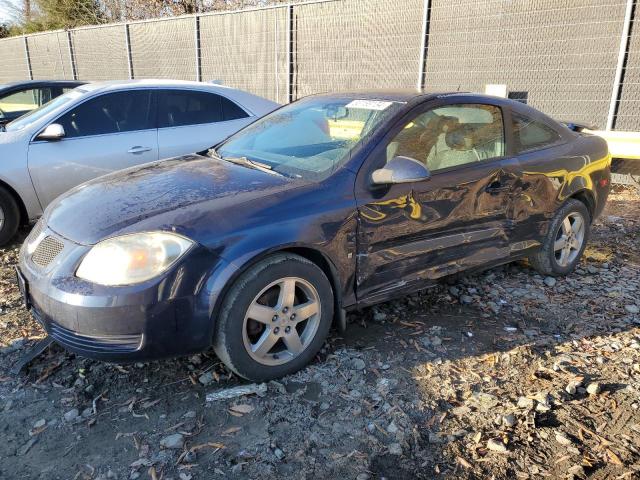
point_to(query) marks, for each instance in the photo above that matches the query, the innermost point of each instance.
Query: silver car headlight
(134, 258)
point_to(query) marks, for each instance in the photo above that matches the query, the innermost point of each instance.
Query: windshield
(310, 138)
(33, 116)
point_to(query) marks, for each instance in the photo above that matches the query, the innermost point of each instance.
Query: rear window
(532, 134)
(179, 108)
(231, 111)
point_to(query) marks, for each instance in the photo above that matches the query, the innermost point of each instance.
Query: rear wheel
(275, 318)
(9, 216)
(565, 242)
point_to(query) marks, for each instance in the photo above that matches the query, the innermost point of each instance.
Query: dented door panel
(412, 234)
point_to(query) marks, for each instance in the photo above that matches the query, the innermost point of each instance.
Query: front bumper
(168, 316)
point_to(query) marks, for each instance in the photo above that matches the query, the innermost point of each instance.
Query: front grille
(46, 251)
(97, 344)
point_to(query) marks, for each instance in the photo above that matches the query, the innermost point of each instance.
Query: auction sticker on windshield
(369, 104)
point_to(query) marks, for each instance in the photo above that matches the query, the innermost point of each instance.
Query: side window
(231, 111)
(110, 113)
(530, 134)
(188, 107)
(25, 100)
(453, 135)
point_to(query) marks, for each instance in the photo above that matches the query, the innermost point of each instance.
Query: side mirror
(401, 170)
(54, 131)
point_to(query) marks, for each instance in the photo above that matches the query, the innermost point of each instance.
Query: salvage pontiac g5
(334, 202)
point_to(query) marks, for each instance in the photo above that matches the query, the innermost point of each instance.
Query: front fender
(334, 242)
(14, 174)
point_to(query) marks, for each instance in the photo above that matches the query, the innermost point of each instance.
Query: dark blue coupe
(333, 202)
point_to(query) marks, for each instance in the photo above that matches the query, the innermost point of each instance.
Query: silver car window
(116, 112)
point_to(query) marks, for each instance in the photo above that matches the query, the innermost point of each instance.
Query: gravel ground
(500, 375)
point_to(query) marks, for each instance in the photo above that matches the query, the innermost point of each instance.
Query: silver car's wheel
(569, 239)
(9, 216)
(281, 321)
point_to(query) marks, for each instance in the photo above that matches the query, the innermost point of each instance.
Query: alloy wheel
(1, 218)
(281, 321)
(569, 239)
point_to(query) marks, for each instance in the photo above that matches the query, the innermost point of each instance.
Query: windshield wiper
(244, 161)
(263, 167)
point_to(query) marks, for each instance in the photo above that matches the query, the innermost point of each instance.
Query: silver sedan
(98, 128)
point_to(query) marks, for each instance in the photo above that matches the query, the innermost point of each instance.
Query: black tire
(11, 212)
(229, 343)
(544, 260)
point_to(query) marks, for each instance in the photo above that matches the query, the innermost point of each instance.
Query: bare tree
(38, 15)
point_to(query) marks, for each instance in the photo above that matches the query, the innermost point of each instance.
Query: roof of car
(407, 95)
(398, 95)
(148, 83)
(413, 96)
(27, 83)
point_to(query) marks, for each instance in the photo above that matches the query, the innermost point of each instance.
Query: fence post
(622, 60)
(290, 40)
(127, 39)
(64, 73)
(74, 71)
(198, 52)
(426, 18)
(277, 58)
(26, 52)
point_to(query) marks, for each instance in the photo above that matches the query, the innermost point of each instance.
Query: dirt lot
(501, 375)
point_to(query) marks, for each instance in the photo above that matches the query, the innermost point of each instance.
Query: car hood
(126, 201)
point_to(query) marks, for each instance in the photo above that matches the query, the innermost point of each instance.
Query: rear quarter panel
(579, 167)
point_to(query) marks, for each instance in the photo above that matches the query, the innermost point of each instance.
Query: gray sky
(6, 7)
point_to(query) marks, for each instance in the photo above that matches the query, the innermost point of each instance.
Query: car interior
(451, 136)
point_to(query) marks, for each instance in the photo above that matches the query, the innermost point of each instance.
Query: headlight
(132, 258)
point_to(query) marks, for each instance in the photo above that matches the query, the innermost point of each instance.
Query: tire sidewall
(229, 343)
(11, 216)
(572, 206)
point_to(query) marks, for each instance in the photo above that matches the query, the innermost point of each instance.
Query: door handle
(138, 149)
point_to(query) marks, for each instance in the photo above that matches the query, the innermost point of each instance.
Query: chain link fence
(578, 60)
(100, 53)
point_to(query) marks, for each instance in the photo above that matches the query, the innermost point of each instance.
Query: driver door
(106, 133)
(413, 233)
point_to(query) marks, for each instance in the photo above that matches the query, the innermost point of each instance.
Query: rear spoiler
(578, 127)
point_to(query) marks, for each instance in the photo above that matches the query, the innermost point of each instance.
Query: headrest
(459, 138)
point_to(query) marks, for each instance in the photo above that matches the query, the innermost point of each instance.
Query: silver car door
(104, 134)
(192, 120)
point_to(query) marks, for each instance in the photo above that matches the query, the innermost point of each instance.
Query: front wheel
(9, 216)
(275, 318)
(565, 241)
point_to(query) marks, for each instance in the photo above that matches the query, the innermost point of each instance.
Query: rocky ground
(500, 375)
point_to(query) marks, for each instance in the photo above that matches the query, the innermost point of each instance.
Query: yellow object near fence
(625, 145)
